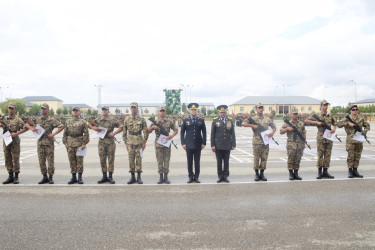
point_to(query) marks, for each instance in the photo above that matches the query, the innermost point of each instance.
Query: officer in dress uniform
(193, 140)
(223, 140)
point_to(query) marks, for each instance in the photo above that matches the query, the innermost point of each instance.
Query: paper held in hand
(101, 132)
(265, 137)
(163, 141)
(329, 135)
(358, 137)
(7, 138)
(39, 131)
(81, 152)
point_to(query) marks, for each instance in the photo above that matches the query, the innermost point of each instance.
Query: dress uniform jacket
(222, 134)
(195, 133)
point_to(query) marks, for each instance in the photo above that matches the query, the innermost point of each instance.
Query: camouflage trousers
(12, 157)
(46, 153)
(354, 154)
(294, 157)
(163, 156)
(76, 162)
(135, 160)
(260, 152)
(107, 151)
(324, 148)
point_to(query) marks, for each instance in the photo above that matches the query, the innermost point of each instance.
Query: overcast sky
(226, 50)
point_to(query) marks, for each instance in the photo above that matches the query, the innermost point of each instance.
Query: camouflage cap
(45, 106)
(76, 108)
(259, 105)
(12, 105)
(322, 102)
(134, 104)
(294, 110)
(161, 108)
(105, 107)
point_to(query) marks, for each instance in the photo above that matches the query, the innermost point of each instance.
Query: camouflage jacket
(298, 143)
(350, 131)
(168, 125)
(15, 124)
(328, 119)
(76, 133)
(110, 123)
(48, 124)
(265, 122)
(133, 127)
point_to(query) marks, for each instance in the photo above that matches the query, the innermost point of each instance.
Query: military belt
(75, 136)
(135, 133)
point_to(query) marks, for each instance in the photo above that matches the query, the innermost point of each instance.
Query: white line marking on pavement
(183, 184)
(243, 151)
(236, 158)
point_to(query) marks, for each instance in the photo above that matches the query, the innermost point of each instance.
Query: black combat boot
(196, 179)
(166, 181)
(256, 178)
(261, 175)
(110, 179)
(44, 180)
(132, 179)
(296, 176)
(191, 179)
(350, 173)
(326, 174)
(50, 179)
(161, 180)
(104, 179)
(356, 174)
(10, 179)
(74, 179)
(291, 175)
(80, 181)
(16, 180)
(139, 180)
(320, 175)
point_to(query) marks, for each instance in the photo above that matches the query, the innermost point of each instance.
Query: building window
(303, 108)
(242, 109)
(270, 109)
(310, 108)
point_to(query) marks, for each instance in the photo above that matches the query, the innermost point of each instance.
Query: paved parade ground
(243, 214)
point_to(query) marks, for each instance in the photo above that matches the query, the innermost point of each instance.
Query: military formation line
(193, 140)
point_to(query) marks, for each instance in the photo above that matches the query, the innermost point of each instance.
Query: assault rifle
(93, 123)
(162, 130)
(325, 125)
(261, 128)
(31, 123)
(357, 127)
(297, 133)
(5, 125)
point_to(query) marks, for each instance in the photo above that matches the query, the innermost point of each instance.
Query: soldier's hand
(66, 147)
(1, 125)
(290, 129)
(143, 146)
(333, 131)
(233, 148)
(255, 126)
(351, 124)
(213, 149)
(13, 135)
(156, 127)
(319, 123)
(33, 129)
(111, 135)
(83, 147)
(184, 147)
(50, 136)
(203, 146)
(169, 137)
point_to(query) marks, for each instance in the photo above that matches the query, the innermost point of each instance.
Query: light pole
(355, 89)
(276, 86)
(99, 86)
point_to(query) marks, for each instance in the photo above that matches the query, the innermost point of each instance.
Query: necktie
(193, 120)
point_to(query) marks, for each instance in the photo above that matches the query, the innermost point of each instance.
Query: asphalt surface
(319, 214)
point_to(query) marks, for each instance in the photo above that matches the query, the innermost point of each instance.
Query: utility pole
(99, 86)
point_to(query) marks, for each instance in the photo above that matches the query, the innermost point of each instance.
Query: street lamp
(355, 89)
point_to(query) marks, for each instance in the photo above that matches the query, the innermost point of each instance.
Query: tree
(95, 113)
(127, 110)
(59, 111)
(65, 111)
(146, 111)
(51, 112)
(21, 106)
(89, 112)
(184, 109)
(204, 110)
(117, 111)
(34, 109)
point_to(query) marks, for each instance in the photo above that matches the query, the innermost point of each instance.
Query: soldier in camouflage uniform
(132, 136)
(260, 151)
(354, 147)
(46, 146)
(13, 150)
(76, 134)
(107, 146)
(163, 154)
(294, 144)
(324, 146)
